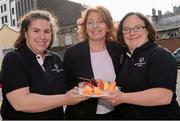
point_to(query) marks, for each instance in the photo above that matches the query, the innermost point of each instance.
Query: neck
(96, 46)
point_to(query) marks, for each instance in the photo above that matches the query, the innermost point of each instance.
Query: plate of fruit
(97, 88)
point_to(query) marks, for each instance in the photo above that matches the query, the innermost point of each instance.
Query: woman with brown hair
(96, 56)
(32, 76)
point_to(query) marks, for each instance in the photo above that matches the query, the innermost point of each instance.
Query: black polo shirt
(148, 67)
(20, 68)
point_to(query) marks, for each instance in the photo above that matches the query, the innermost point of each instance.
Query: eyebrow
(34, 28)
(136, 25)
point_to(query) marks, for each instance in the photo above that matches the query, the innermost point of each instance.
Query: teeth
(96, 31)
(41, 43)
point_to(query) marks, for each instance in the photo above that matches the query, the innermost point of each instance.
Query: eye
(138, 27)
(47, 31)
(35, 31)
(126, 29)
(100, 21)
(89, 22)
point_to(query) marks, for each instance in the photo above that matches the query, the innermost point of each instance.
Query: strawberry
(87, 84)
(100, 84)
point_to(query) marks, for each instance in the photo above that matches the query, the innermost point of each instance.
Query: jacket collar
(141, 48)
(27, 52)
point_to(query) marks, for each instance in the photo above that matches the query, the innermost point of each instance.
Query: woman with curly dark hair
(148, 75)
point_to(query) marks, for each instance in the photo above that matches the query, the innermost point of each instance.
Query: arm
(162, 76)
(68, 69)
(22, 100)
(18, 93)
(149, 97)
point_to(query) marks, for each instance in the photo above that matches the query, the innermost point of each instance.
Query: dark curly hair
(152, 32)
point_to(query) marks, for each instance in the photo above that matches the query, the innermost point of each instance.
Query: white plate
(92, 95)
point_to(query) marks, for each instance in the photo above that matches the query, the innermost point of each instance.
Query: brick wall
(171, 44)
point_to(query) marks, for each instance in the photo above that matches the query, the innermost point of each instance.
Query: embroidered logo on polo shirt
(141, 62)
(56, 68)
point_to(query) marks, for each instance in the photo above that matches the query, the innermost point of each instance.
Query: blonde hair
(106, 16)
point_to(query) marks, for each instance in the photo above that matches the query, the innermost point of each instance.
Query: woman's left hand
(114, 97)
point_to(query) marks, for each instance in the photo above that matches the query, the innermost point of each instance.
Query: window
(12, 10)
(32, 5)
(18, 7)
(25, 7)
(2, 20)
(5, 17)
(13, 23)
(1, 9)
(4, 7)
(28, 5)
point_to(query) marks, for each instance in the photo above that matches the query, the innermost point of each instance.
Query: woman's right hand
(72, 97)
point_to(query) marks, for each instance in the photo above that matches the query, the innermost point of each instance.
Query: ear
(25, 34)
(147, 32)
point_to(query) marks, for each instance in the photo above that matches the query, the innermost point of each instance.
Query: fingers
(84, 97)
(112, 97)
(113, 103)
(76, 88)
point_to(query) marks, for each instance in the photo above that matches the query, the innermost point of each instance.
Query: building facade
(168, 24)
(67, 13)
(7, 39)
(12, 10)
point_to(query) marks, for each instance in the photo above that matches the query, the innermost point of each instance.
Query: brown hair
(152, 32)
(26, 21)
(106, 16)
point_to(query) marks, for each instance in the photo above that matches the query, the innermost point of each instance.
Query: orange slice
(112, 86)
(97, 91)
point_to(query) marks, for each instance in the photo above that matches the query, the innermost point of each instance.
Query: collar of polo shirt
(40, 60)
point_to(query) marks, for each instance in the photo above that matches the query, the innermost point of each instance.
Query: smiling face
(96, 28)
(137, 35)
(38, 36)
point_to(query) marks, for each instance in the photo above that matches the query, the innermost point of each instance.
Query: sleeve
(162, 70)
(13, 73)
(0, 80)
(68, 69)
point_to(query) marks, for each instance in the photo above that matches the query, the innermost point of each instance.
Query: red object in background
(0, 85)
(87, 84)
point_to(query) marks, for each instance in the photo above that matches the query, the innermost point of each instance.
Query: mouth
(41, 42)
(135, 38)
(96, 32)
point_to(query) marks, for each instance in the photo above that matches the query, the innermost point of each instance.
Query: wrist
(64, 99)
(123, 97)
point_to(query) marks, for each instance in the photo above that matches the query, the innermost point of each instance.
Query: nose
(42, 35)
(95, 25)
(131, 31)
